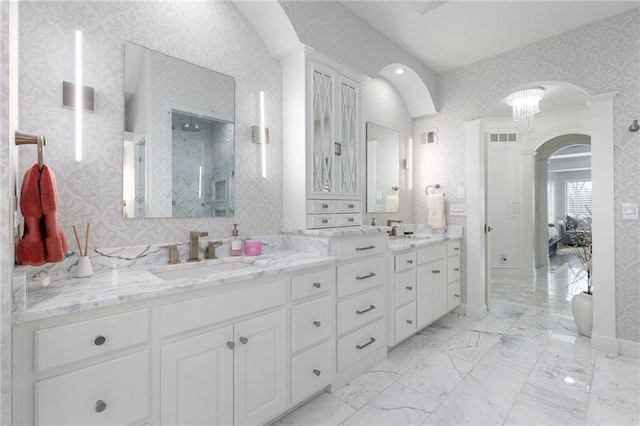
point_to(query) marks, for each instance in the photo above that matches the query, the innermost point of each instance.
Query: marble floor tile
(370, 383)
(437, 375)
(397, 405)
(462, 408)
(493, 324)
(566, 377)
(414, 350)
(323, 410)
(517, 350)
(542, 406)
(540, 318)
(617, 377)
(495, 382)
(446, 327)
(603, 409)
(470, 345)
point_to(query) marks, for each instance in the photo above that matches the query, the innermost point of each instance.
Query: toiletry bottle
(235, 246)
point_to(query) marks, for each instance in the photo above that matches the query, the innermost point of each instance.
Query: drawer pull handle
(457, 295)
(435, 271)
(409, 288)
(317, 285)
(317, 372)
(409, 322)
(99, 340)
(456, 269)
(370, 308)
(325, 220)
(410, 262)
(365, 248)
(364, 277)
(351, 219)
(100, 406)
(456, 249)
(317, 323)
(360, 347)
(231, 345)
(244, 340)
(325, 206)
(351, 206)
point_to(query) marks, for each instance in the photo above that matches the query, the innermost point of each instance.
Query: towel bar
(22, 138)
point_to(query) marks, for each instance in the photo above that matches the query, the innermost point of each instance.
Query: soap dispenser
(235, 246)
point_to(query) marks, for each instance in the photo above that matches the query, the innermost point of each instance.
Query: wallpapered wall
(211, 34)
(600, 58)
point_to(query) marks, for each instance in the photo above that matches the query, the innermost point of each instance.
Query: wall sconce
(260, 135)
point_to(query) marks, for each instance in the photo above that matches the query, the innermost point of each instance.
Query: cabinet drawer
(360, 276)
(405, 321)
(348, 206)
(404, 261)
(453, 247)
(346, 219)
(405, 287)
(362, 246)
(357, 345)
(454, 295)
(69, 343)
(311, 371)
(321, 221)
(321, 206)
(453, 268)
(314, 283)
(195, 313)
(113, 392)
(360, 309)
(431, 253)
(311, 322)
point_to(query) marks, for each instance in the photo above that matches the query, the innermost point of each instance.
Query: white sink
(176, 272)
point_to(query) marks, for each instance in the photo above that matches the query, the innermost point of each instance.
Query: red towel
(43, 240)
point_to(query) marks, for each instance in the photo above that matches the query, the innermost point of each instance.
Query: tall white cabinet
(321, 102)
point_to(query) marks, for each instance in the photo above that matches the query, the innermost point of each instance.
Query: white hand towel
(435, 207)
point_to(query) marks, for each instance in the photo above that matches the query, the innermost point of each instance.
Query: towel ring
(436, 186)
(22, 138)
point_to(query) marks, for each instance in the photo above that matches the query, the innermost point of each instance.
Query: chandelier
(525, 105)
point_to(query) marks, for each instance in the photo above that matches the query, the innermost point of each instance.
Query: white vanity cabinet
(453, 274)
(402, 315)
(321, 102)
(431, 283)
(360, 303)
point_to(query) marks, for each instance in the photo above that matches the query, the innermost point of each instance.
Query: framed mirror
(383, 169)
(179, 144)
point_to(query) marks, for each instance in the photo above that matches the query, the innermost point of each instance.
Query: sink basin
(176, 272)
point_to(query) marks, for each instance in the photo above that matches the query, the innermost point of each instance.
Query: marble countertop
(406, 242)
(49, 296)
(339, 232)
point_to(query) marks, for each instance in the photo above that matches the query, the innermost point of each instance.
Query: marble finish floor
(523, 364)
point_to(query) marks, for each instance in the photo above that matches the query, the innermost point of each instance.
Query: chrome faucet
(194, 240)
(394, 229)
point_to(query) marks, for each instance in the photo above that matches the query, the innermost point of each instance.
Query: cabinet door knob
(100, 406)
(351, 206)
(456, 295)
(317, 372)
(99, 340)
(231, 345)
(317, 285)
(409, 322)
(409, 288)
(456, 269)
(456, 249)
(360, 347)
(317, 323)
(364, 311)
(244, 340)
(410, 262)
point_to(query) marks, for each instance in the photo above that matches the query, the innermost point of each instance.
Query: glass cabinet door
(348, 161)
(322, 132)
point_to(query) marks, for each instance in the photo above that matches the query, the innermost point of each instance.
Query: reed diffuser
(84, 268)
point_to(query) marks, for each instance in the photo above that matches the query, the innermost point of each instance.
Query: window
(578, 197)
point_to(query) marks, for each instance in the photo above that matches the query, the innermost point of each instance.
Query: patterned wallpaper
(211, 34)
(600, 58)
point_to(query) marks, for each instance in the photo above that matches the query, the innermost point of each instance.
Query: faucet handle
(211, 250)
(198, 233)
(174, 256)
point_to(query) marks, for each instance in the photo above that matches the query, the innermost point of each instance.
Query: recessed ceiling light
(399, 70)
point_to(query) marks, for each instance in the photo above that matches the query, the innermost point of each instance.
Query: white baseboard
(629, 348)
(475, 312)
(604, 343)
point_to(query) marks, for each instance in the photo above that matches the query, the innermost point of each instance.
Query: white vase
(582, 308)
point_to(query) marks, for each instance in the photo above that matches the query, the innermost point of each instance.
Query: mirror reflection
(178, 138)
(383, 169)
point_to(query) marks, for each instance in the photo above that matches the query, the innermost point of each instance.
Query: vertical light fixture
(263, 137)
(78, 95)
(200, 183)
(410, 164)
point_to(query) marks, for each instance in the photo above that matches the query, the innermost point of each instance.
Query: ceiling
(449, 34)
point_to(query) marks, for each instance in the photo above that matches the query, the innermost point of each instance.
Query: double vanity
(239, 340)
